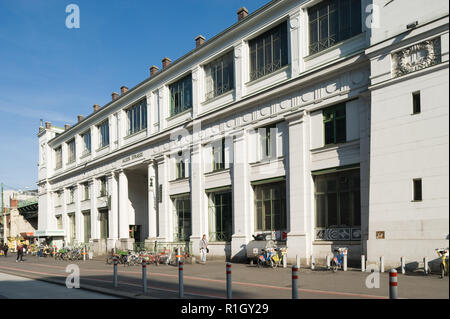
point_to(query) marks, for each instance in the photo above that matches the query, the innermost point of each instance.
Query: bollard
(178, 256)
(313, 264)
(425, 266)
(116, 261)
(345, 262)
(84, 253)
(284, 260)
(393, 284)
(228, 271)
(144, 276)
(294, 282)
(298, 261)
(363, 263)
(382, 264)
(180, 278)
(402, 259)
(328, 262)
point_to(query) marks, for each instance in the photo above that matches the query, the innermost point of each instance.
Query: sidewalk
(208, 281)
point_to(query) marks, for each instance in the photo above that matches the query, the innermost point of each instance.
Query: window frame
(226, 59)
(132, 115)
(58, 163)
(86, 150)
(417, 190)
(71, 151)
(182, 230)
(178, 87)
(218, 165)
(180, 167)
(259, 70)
(103, 128)
(212, 212)
(333, 119)
(354, 28)
(416, 102)
(271, 187)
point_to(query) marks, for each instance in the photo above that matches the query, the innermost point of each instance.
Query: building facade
(267, 127)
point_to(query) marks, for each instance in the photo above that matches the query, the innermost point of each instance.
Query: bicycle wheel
(273, 264)
(334, 266)
(109, 260)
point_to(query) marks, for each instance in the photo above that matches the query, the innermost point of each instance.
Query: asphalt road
(208, 281)
(15, 287)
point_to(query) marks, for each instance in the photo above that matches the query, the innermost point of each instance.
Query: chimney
(123, 90)
(80, 118)
(115, 95)
(13, 203)
(48, 125)
(66, 126)
(153, 70)
(199, 40)
(96, 107)
(242, 13)
(165, 62)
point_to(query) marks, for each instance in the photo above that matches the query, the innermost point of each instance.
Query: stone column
(78, 215)
(163, 200)
(294, 40)
(297, 189)
(113, 207)
(95, 225)
(198, 199)
(124, 227)
(241, 191)
(152, 202)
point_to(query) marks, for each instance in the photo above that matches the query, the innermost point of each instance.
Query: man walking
(19, 253)
(204, 248)
(5, 249)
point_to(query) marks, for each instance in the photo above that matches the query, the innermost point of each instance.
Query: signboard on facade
(133, 157)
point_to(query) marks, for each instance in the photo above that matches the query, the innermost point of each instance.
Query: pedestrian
(25, 248)
(5, 249)
(204, 248)
(19, 253)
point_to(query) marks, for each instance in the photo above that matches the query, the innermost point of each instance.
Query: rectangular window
(220, 216)
(137, 117)
(59, 223)
(86, 137)
(71, 195)
(87, 226)
(268, 52)
(268, 141)
(72, 152)
(270, 204)
(219, 76)
(103, 130)
(181, 95)
(59, 198)
(416, 102)
(103, 186)
(104, 230)
(183, 218)
(417, 185)
(180, 166)
(58, 157)
(334, 122)
(332, 21)
(85, 191)
(218, 152)
(337, 198)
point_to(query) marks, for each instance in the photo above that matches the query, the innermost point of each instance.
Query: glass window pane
(320, 211)
(332, 209)
(344, 209)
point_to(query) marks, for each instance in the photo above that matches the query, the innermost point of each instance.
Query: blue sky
(50, 72)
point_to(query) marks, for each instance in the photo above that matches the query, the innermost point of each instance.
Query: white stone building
(288, 122)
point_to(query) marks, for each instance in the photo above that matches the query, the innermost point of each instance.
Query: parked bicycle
(266, 258)
(443, 255)
(278, 257)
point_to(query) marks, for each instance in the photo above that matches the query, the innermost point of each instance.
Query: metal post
(393, 284)
(363, 263)
(115, 283)
(228, 272)
(382, 264)
(298, 261)
(178, 256)
(313, 263)
(144, 276)
(180, 278)
(284, 260)
(84, 253)
(294, 282)
(328, 262)
(402, 259)
(425, 266)
(345, 262)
